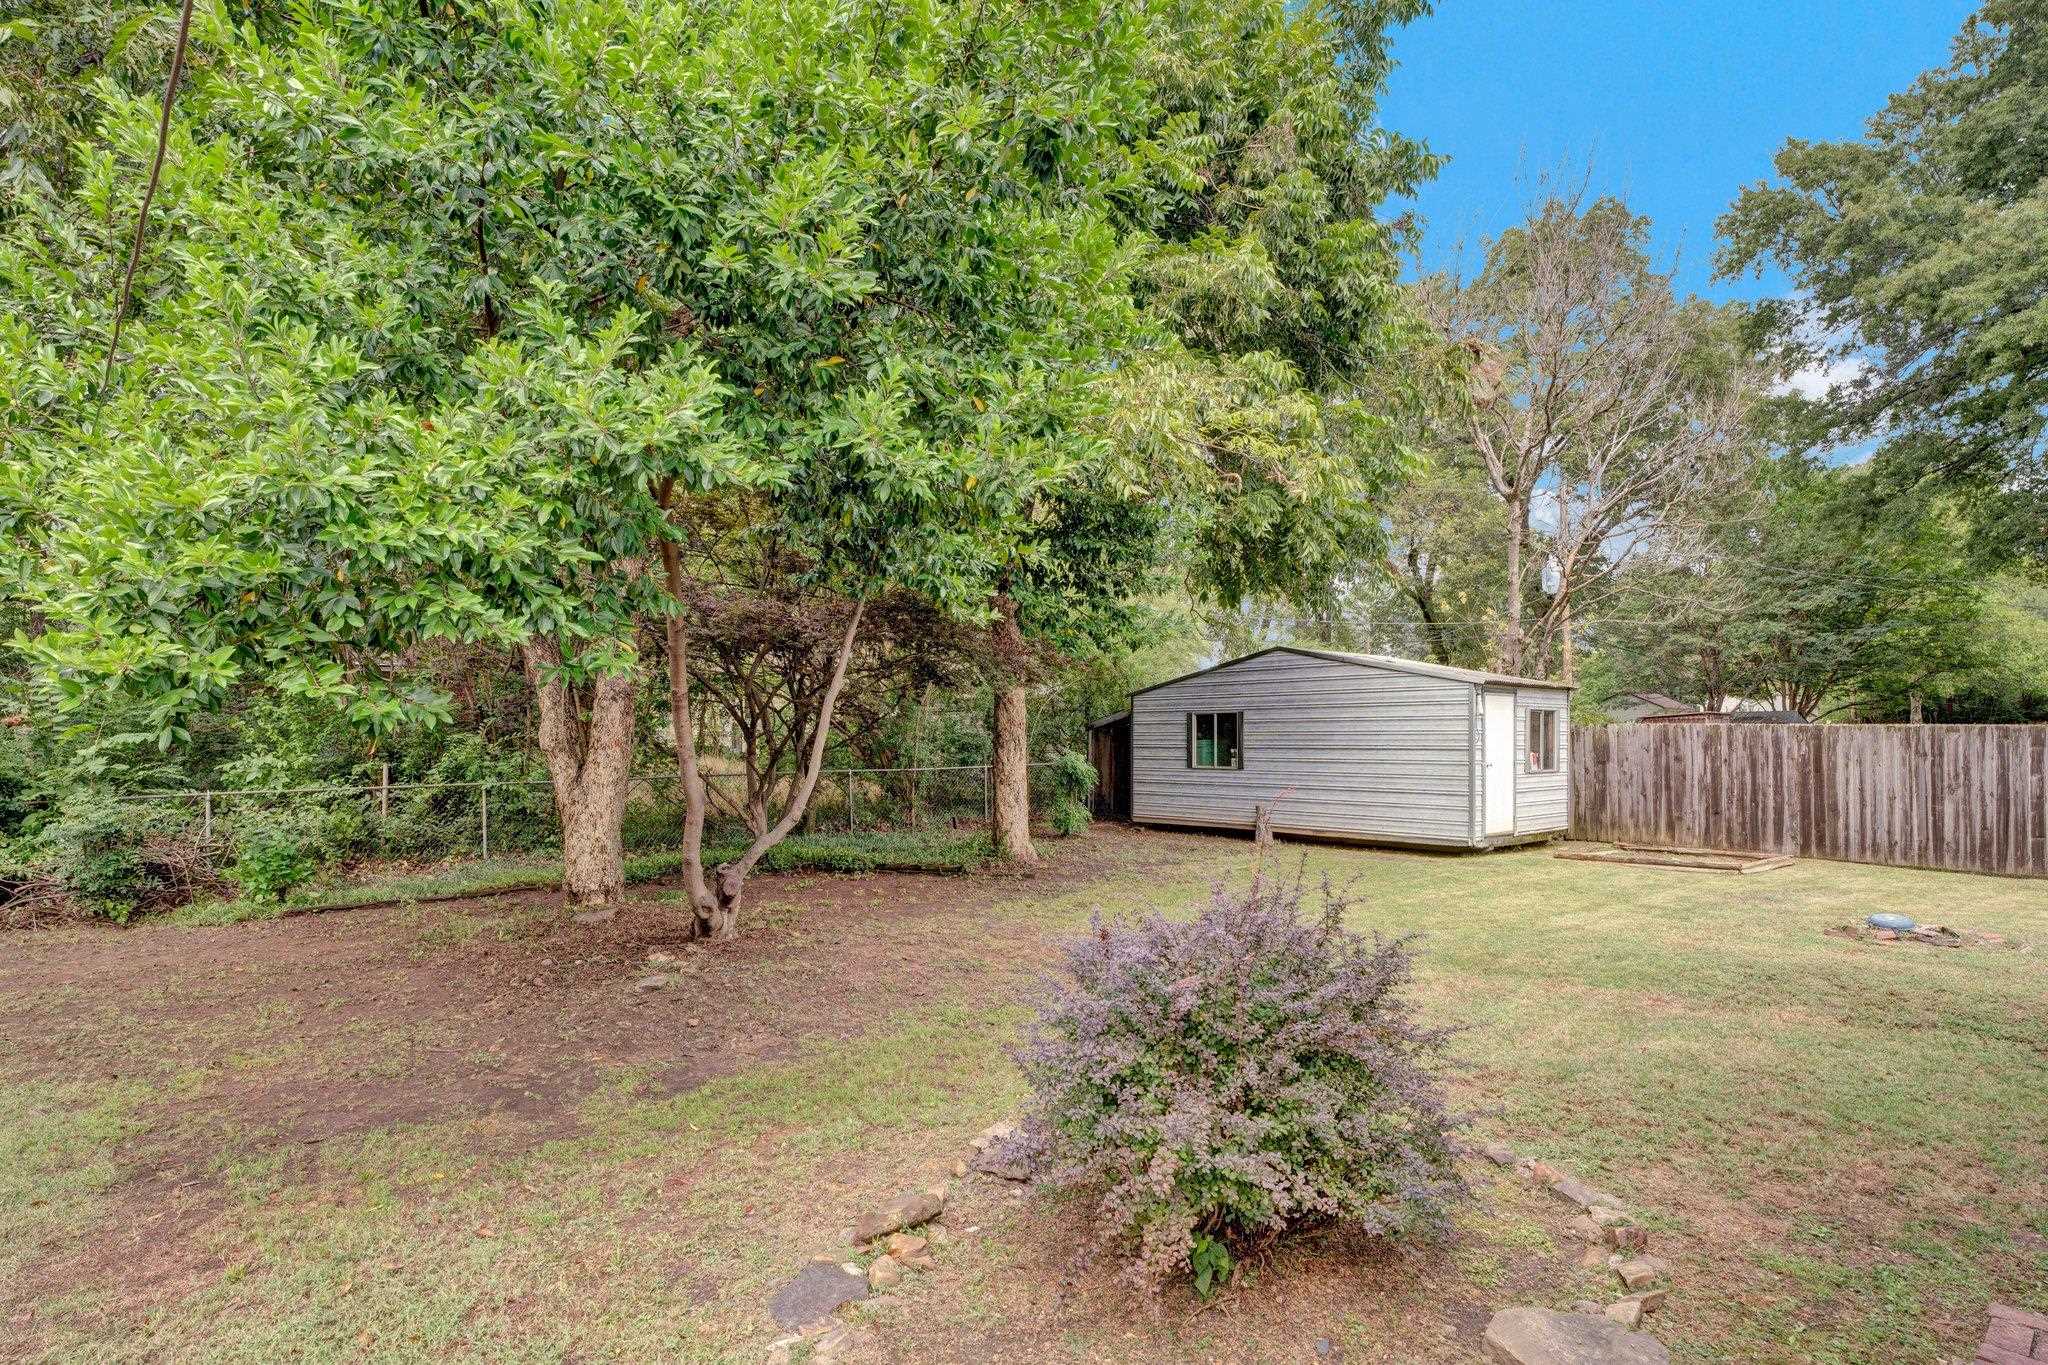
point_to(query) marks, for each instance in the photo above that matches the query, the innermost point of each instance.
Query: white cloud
(1818, 380)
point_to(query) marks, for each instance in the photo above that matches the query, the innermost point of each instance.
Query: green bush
(1069, 818)
(1072, 777)
(875, 852)
(112, 858)
(272, 865)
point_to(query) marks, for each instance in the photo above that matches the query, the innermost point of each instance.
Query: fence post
(206, 817)
(913, 800)
(988, 806)
(384, 795)
(483, 792)
(849, 800)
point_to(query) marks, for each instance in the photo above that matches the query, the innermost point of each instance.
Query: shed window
(1215, 739)
(1542, 741)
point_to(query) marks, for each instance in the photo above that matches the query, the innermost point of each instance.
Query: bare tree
(1605, 411)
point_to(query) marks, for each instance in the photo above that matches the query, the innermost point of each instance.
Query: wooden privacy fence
(1971, 798)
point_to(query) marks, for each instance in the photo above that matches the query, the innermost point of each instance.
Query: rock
(1650, 1299)
(916, 1260)
(901, 1244)
(657, 982)
(938, 1235)
(832, 1343)
(1885, 935)
(1938, 936)
(1499, 1153)
(997, 1132)
(959, 1170)
(814, 1293)
(906, 1210)
(1543, 1336)
(1588, 1307)
(1605, 1216)
(1005, 1161)
(1546, 1172)
(1585, 1229)
(604, 916)
(1628, 1312)
(885, 1272)
(1593, 1258)
(1584, 1195)
(1642, 1271)
(1627, 1237)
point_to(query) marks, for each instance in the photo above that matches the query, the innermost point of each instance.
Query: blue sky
(1678, 103)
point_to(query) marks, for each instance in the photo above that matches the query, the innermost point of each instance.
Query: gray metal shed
(1353, 746)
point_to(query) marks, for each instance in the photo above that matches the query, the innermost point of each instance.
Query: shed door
(1500, 763)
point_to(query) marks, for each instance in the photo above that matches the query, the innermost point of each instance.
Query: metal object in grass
(1885, 919)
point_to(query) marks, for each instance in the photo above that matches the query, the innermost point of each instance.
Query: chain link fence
(425, 820)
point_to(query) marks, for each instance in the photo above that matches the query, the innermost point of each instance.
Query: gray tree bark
(589, 759)
(1010, 768)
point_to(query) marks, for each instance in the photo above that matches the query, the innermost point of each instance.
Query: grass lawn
(458, 1131)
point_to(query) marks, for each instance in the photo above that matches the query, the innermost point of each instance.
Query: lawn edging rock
(1545, 1336)
(906, 1210)
(1586, 1335)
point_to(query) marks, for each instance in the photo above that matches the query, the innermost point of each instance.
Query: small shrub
(271, 865)
(1214, 1083)
(1069, 818)
(1072, 777)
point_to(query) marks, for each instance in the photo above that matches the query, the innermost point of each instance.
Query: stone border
(1591, 1332)
(831, 1280)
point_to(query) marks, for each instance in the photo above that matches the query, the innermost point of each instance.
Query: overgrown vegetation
(1216, 1083)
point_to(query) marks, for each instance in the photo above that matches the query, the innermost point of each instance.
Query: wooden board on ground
(1681, 859)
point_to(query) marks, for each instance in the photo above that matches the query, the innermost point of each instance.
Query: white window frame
(1529, 749)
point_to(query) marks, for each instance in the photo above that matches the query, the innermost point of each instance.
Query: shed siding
(1360, 751)
(1541, 798)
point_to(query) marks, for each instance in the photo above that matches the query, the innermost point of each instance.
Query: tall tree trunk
(1010, 770)
(1566, 655)
(590, 760)
(1518, 532)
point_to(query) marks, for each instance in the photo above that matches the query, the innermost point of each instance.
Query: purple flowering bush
(1217, 1082)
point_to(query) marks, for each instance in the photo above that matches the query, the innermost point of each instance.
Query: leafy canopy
(1920, 256)
(440, 311)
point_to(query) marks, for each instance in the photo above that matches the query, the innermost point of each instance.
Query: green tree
(1832, 594)
(1242, 460)
(1604, 410)
(650, 278)
(1919, 256)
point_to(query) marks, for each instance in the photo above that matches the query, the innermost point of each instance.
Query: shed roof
(1386, 661)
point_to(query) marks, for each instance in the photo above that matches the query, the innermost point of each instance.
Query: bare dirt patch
(261, 1042)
